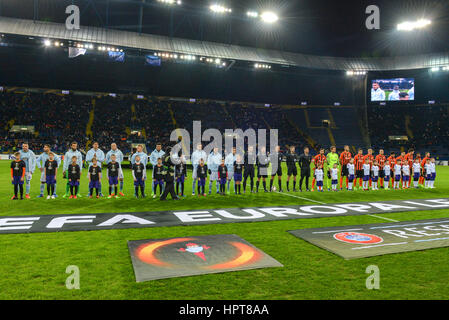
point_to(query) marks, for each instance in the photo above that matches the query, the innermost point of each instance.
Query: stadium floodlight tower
(216, 8)
(269, 17)
(414, 25)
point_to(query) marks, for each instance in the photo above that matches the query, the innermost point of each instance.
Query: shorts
(278, 171)
(17, 180)
(387, 178)
(344, 171)
(113, 181)
(222, 180)
(433, 176)
(214, 176)
(397, 178)
(237, 177)
(334, 182)
(262, 172)
(381, 174)
(405, 178)
(75, 183)
(416, 176)
(375, 179)
(249, 172)
(139, 182)
(292, 171)
(428, 177)
(202, 182)
(181, 179)
(319, 183)
(351, 177)
(359, 174)
(94, 185)
(158, 182)
(366, 178)
(50, 180)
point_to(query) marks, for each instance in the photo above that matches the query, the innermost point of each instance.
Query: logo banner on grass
(361, 241)
(125, 220)
(179, 257)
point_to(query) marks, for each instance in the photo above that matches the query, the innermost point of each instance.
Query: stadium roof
(149, 42)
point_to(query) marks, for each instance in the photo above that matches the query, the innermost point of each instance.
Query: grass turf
(33, 265)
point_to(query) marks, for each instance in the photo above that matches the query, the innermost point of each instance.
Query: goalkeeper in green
(332, 158)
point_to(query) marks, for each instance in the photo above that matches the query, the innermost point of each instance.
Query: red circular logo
(359, 238)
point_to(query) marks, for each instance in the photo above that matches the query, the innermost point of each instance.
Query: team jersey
(201, 171)
(423, 162)
(428, 168)
(366, 169)
(416, 168)
(94, 173)
(319, 159)
(387, 169)
(381, 159)
(138, 170)
(397, 169)
(238, 167)
(406, 170)
(375, 170)
(180, 169)
(409, 158)
(18, 168)
(392, 161)
(358, 162)
(370, 158)
(351, 169)
(222, 172)
(332, 158)
(158, 172)
(334, 174)
(432, 168)
(50, 167)
(291, 159)
(345, 157)
(74, 172)
(319, 175)
(113, 168)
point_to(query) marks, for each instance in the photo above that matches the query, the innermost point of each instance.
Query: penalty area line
(290, 195)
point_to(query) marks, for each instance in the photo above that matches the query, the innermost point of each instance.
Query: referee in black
(304, 164)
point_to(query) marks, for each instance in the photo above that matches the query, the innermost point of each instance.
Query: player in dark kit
(238, 169)
(263, 161)
(17, 175)
(249, 163)
(292, 159)
(139, 176)
(304, 164)
(181, 175)
(169, 176)
(201, 173)
(50, 169)
(94, 178)
(222, 176)
(158, 177)
(74, 175)
(113, 171)
(276, 158)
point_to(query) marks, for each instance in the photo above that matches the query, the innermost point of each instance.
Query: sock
(210, 186)
(121, 186)
(350, 185)
(16, 190)
(110, 190)
(48, 189)
(415, 183)
(257, 185)
(42, 188)
(54, 189)
(294, 184)
(271, 184)
(280, 184)
(90, 191)
(136, 191)
(99, 189)
(217, 186)
(199, 189)
(182, 188)
(264, 185)
(313, 183)
(193, 187)
(252, 184)
(21, 190)
(142, 190)
(76, 190)
(71, 190)
(287, 184)
(229, 185)
(28, 186)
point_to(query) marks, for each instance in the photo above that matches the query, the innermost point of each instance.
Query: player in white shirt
(387, 172)
(351, 174)
(377, 94)
(428, 169)
(405, 174)
(433, 173)
(397, 175)
(375, 175)
(334, 177)
(366, 175)
(319, 176)
(416, 173)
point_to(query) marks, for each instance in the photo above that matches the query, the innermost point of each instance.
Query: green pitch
(33, 266)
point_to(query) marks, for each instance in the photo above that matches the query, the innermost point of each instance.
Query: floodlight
(413, 25)
(269, 17)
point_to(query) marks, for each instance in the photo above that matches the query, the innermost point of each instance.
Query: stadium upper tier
(125, 39)
(60, 119)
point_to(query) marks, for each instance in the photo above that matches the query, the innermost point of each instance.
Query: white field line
(290, 195)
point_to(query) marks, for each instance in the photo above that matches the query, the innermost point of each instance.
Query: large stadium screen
(398, 89)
